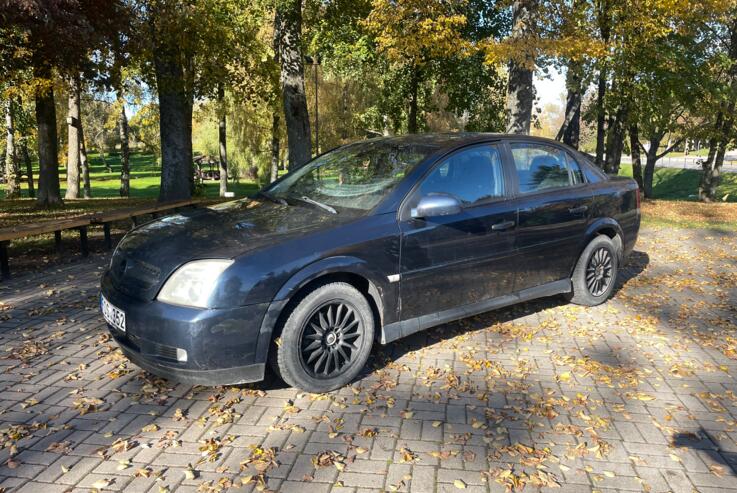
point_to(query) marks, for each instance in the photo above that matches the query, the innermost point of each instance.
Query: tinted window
(575, 170)
(356, 176)
(540, 167)
(472, 175)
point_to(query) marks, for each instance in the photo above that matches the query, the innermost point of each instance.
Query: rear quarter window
(592, 173)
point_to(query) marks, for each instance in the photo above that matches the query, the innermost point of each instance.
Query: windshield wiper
(270, 197)
(318, 204)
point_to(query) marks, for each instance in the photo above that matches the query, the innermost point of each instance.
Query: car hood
(146, 256)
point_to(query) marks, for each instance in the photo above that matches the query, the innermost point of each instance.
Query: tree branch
(675, 144)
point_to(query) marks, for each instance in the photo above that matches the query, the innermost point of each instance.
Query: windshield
(356, 176)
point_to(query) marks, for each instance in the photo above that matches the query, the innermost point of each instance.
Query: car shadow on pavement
(702, 441)
(383, 355)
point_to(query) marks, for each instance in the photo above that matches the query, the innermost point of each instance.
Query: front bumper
(220, 344)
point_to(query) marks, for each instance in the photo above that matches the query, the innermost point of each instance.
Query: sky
(550, 88)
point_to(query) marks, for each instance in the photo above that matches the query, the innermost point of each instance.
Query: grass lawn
(683, 184)
(144, 181)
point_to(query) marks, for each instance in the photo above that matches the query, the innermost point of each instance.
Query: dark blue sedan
(367, 243)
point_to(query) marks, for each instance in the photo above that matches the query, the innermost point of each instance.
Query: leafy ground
(637, 394)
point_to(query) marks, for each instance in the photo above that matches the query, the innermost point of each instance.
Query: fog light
(181, 355)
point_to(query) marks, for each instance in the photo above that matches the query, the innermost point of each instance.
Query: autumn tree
(56, 36)
(288, 45)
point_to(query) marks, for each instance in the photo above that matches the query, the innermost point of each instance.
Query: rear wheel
(326, 339)
(595, 273)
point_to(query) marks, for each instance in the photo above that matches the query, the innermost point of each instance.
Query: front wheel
(326, 339)
(595, 273)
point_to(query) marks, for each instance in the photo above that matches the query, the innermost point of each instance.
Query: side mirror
(436, 204)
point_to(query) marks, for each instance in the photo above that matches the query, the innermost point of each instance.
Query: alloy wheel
(330, 340)
(599, 271)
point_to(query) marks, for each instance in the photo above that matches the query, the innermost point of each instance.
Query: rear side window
(472, 175)
(576, 173)
(540, 167)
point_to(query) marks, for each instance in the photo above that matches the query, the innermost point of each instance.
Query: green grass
(144, 179)
(683, 184)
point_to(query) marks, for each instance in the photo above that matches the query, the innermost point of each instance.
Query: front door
(460, 259)
(554, 203)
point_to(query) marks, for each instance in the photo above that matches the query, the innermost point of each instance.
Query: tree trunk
(725, 132)
(48, 159)
(413, 88)
(84, 164)
(570, 131)
(125, 172)
(222, 140)
(636, 163)
(73, 140)
(652, 158)
(600, 119)
(12, 181)
(520, 90)
(287, 34)
(615, 140)
(29, 168)
(708, 165)
(175, 126)
(274, 146)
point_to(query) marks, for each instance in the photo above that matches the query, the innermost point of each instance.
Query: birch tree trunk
(125, 172)
(615, 140)
(73, 139)
(651, 159)
(12, 182)
(413, 89)
(636, 162)
(600, 119)
(520, 90)
(222, 141)
(84, 164)
(29, 168)
(274, 147)
(287, 34)
(570, 130)
(48, 159)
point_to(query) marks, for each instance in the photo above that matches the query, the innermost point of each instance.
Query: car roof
(450, 140)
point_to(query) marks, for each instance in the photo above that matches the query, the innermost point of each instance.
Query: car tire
(595, 274)
(326, 339)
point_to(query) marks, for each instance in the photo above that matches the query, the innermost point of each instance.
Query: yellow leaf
(460, 484)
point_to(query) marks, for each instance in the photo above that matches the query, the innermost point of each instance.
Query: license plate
(112, 314)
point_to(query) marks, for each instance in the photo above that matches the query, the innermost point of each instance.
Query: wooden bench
(81, 223)
(133, 213)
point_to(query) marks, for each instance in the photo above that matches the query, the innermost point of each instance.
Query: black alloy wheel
(330, 340)
(599, 271)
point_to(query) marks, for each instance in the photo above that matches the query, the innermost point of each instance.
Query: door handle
(579, 209)
(504, 225)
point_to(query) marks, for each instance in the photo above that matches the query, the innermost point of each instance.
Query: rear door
(554, 203)
(455, 260)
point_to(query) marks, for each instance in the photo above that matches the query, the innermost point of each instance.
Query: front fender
(379, 288)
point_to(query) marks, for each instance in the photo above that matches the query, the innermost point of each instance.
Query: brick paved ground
(635, 395)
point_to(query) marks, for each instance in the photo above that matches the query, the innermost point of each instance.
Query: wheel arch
(350, 270)
(603, 226)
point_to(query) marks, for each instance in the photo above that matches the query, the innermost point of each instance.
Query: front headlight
(192, 283)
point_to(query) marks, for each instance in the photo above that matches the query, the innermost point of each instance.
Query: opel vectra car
(365, 244)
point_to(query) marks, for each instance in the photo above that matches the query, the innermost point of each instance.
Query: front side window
(472, 175)
(356, 176)
(540, 167)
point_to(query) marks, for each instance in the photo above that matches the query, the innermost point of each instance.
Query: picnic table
(81, 223)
